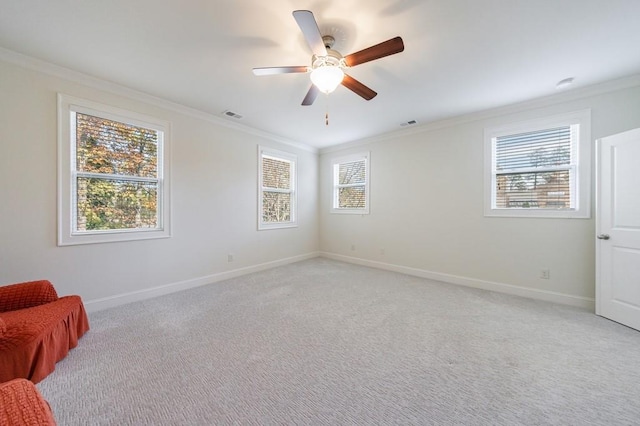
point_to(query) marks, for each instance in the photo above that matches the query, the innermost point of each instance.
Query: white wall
(214, 200)
(426, 203)
(427, 208)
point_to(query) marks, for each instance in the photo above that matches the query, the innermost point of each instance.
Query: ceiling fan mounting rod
(328, 41)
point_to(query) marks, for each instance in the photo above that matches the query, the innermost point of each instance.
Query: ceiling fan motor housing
(333, 58)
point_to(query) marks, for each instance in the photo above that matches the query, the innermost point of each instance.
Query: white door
(618, 228)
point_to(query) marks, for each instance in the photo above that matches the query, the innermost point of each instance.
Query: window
(277, 189)
(539, 168)
(351, 184)
(112, 178)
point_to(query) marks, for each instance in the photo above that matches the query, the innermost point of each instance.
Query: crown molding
(51, 69)
(546, 101)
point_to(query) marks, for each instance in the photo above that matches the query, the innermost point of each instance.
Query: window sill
(111, 237)
(538, 214)
(267, 226)
(350, 211)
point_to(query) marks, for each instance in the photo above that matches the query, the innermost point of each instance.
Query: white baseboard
(549, 296)
(134, 296)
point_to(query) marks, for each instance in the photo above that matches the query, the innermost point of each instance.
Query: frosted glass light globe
(327, 78)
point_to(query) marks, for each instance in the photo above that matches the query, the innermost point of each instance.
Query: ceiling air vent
(232, 114)
(409, 123)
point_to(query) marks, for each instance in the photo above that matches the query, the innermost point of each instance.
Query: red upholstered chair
(37, 329)
(22, 405)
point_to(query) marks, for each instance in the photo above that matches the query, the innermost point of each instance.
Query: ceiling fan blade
(309, 27)
(279, 70)
(312, 94)
(358, 88)
(386, 48)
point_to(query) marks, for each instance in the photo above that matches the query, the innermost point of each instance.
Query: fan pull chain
(326, 114)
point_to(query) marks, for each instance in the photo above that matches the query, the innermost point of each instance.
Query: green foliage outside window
(117, 171)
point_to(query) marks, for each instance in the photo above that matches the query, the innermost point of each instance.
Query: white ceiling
(461, 56)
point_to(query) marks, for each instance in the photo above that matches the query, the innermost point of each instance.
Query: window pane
(352, 197)
(543, 148)
(354, 172)
(106, 146)
(116, 204)
(544, 190)
(276, 173)
(276, 207)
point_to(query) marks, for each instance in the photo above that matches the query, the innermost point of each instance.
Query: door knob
(603, 237)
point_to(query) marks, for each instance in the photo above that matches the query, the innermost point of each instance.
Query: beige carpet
(324, 342)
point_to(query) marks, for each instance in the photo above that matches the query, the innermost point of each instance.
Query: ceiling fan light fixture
(326, 78)
(328, 65)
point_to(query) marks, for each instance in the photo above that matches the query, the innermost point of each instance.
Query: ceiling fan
(328, 65)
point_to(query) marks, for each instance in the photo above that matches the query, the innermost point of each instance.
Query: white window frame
(335, 166)
(580, 162)
(293, 215)
(67, 203)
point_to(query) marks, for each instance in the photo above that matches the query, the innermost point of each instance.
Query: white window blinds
(276, 189)
(116, 169)
(351, 184)
(277, 196)
(536, 169)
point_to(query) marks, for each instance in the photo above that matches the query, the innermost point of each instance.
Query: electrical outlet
(545, 274)
(229, 257)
